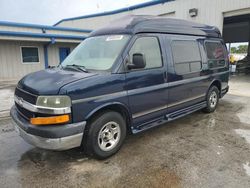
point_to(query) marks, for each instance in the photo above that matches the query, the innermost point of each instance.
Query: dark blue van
(135, 74)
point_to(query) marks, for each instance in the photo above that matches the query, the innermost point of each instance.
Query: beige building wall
(11, 65)
(53, 52)
(15, 35)
(210, 12)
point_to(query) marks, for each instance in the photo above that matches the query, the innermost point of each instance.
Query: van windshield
(96, 53)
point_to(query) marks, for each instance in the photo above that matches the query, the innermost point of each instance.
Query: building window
(149, 47)
(30, 54)
(186, 56)
(215, 54)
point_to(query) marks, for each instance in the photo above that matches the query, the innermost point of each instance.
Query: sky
(48, 12)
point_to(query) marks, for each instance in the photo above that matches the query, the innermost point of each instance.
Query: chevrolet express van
(135, 74)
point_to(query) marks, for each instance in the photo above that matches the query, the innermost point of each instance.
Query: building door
(63, 53)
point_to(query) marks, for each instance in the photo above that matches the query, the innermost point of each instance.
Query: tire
(212, 99)
(105, 135)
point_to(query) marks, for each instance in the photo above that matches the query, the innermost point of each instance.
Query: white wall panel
(209, 12)
(11, 66)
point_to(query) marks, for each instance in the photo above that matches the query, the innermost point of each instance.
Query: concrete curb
(4, 114)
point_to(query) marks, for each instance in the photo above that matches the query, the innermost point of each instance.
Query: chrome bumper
(63, 143)
(56, 140)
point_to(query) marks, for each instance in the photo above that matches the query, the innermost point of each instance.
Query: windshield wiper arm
(78, 67)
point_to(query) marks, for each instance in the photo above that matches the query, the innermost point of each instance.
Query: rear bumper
(57, 137)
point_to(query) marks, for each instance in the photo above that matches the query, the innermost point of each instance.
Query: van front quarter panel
(93, 94)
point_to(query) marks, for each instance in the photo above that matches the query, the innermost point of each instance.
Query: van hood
(49, 81)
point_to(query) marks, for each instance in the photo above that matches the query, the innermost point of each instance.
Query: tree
(241, 49)
(233, 50)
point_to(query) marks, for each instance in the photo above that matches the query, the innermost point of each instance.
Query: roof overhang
(40, 35)
(33, 32)
(43, 27)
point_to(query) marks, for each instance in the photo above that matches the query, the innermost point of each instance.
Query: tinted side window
(186, 56)
(149, 47)
(215, 54)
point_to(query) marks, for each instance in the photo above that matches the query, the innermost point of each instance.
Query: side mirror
(138, 62)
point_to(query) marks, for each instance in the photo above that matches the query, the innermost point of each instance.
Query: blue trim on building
(46, 59)
(142, 5)
(40, 35)
(43, 27)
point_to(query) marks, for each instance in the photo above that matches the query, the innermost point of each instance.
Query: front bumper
(52, 137)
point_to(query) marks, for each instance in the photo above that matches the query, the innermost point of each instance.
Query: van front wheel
(212, 99)
(105, 135)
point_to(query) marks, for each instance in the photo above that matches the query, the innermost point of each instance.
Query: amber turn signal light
(49, 120)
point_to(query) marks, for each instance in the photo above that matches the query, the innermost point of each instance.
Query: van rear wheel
(212, 99)
(105, 135)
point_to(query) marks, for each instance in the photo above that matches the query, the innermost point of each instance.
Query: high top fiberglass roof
(133, 24)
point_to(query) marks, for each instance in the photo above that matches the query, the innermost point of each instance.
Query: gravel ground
(199, 150)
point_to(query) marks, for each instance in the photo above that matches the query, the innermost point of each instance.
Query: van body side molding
(136, 115)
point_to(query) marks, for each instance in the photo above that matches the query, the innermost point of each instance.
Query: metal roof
(41, 31)
(37, 26)
(41, 35)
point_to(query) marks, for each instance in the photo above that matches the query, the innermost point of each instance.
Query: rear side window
(150, 48)
(186, 56)
(215, 54)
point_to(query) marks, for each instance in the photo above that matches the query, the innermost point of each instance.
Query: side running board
(169, 117)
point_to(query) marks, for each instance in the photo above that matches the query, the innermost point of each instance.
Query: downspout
(45, 50)
(46, 60)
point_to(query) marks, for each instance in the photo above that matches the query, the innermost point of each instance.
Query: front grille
(31, 98)
(24, 113)
(26, 96)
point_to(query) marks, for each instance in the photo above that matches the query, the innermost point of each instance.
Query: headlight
(54, 101)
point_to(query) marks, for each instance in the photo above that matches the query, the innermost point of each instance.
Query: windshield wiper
(77, 67)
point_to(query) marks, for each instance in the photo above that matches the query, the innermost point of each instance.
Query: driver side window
(149, 47)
